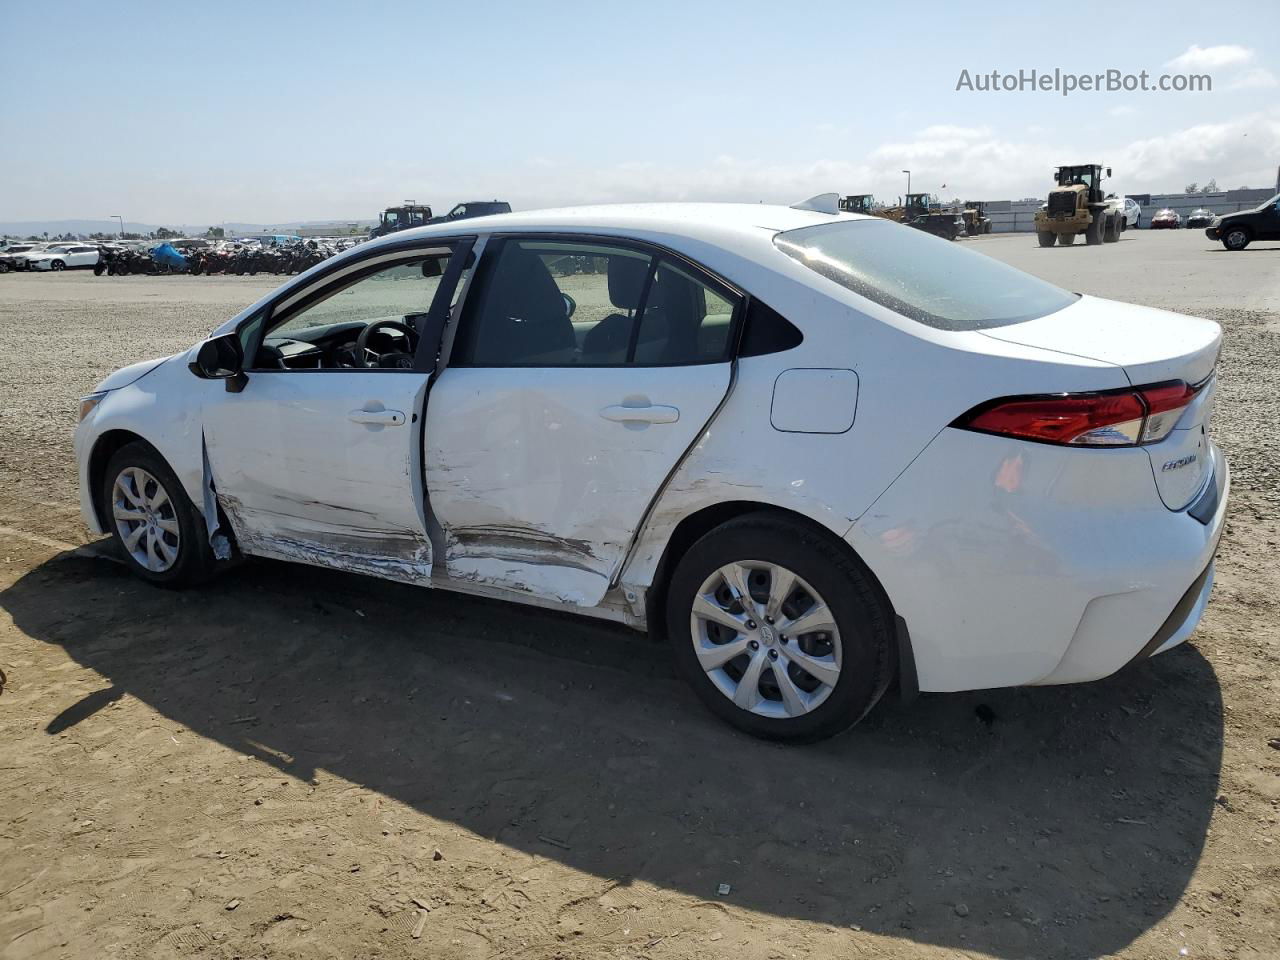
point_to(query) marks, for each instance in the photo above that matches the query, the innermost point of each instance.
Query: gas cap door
(814, 400)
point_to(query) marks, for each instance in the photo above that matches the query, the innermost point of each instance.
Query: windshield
(924, 278)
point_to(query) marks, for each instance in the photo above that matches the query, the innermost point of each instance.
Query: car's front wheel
(1237, 238)
(160, 534)
(57, 265)
(780, 629)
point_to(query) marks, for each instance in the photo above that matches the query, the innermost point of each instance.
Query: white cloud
(1235, 62)
(1124, 110)
(1196, 57)
(1234, 152)
(1253, 78)
(944, 131)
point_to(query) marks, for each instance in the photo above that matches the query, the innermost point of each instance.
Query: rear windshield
(932, 281)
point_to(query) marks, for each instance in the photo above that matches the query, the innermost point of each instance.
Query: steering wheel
(401, 359)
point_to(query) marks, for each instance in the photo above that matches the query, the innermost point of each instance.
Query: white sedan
(821, 453)
(63, 256)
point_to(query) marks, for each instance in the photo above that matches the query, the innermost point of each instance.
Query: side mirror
(1108, 171)
(432, 268)
(570, 305)
(221, 358)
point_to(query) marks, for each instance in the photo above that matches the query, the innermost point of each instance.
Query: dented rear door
(548, 437)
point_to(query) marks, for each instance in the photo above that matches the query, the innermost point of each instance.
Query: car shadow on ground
(1039, 822)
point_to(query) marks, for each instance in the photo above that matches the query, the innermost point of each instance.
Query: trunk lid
(1151, 346)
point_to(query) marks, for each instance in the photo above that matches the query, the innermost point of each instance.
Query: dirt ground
(298, 763)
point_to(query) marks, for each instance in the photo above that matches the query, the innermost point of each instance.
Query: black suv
(473, 208)
(1238, 230)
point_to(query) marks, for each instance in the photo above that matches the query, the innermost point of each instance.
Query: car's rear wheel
(159, 532)
(780, 629)
(1236, 238)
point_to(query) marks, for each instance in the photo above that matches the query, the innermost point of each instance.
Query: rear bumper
(1179, 625)
(1016, 563)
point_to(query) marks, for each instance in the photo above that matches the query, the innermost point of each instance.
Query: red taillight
(1115, 418)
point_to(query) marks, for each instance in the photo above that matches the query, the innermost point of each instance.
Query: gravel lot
(297, 763)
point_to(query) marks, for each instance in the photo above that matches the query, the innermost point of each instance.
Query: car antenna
(821, 203)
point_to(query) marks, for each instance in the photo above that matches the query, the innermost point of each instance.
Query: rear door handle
(654, 413)
(382, 418)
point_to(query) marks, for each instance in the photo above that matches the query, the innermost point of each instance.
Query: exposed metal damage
(372, 550)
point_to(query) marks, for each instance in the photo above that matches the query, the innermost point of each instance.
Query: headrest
(626, 281)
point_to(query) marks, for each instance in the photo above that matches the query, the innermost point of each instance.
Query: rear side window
(684, 320)
(552, 303)
(932, 281)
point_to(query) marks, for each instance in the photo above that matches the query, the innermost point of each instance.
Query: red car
(1166, 220)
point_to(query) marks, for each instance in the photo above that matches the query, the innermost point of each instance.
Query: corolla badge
(1178, 464)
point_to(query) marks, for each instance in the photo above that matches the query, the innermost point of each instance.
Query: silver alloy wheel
(146, 519)
(766, 639)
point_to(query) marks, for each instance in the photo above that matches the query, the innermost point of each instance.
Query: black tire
(1236, 238)
(1045, 237)
(1066, 239)
(57, 265)
(862, 612)
(4, 267)
(1111, 229)
(99, 268)
(195, 561)
(1093, 233)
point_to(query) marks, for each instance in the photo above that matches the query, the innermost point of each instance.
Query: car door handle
(654, 413)
(382, 418)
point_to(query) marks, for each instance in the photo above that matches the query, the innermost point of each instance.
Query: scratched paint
(395, 555)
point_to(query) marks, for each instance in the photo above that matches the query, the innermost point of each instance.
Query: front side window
(371, 319)
(931, 281)
(562, 303)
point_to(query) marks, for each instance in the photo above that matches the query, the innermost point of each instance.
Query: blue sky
(287, 110)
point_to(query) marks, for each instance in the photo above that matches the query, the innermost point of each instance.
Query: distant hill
(26, 228)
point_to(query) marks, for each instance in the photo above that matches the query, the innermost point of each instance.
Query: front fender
(163, 406)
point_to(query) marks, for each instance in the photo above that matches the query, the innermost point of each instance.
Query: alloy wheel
(146, 519)
(766, 639)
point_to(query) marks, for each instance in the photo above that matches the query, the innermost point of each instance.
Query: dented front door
(320, 467)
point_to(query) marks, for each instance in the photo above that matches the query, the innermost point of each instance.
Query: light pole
(116, 216)
(908, 173)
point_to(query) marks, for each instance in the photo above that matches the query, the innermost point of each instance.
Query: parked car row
(194, 256)
(51, 256)
(230, 257)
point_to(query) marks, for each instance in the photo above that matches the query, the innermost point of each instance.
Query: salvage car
(1238, 230)
(1200, 217)
(64, 256)
(1132, 213)
(1166, 219)
(822, 454)
(11, 253)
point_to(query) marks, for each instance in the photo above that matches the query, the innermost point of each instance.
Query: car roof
(701, 221)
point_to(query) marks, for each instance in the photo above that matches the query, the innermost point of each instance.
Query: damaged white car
(821, 453)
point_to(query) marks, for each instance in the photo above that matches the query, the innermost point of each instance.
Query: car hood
(130, 374)
(1150, 345)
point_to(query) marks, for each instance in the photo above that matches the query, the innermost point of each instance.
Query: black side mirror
(432, 268)
(1108, 171)
(221, 358)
